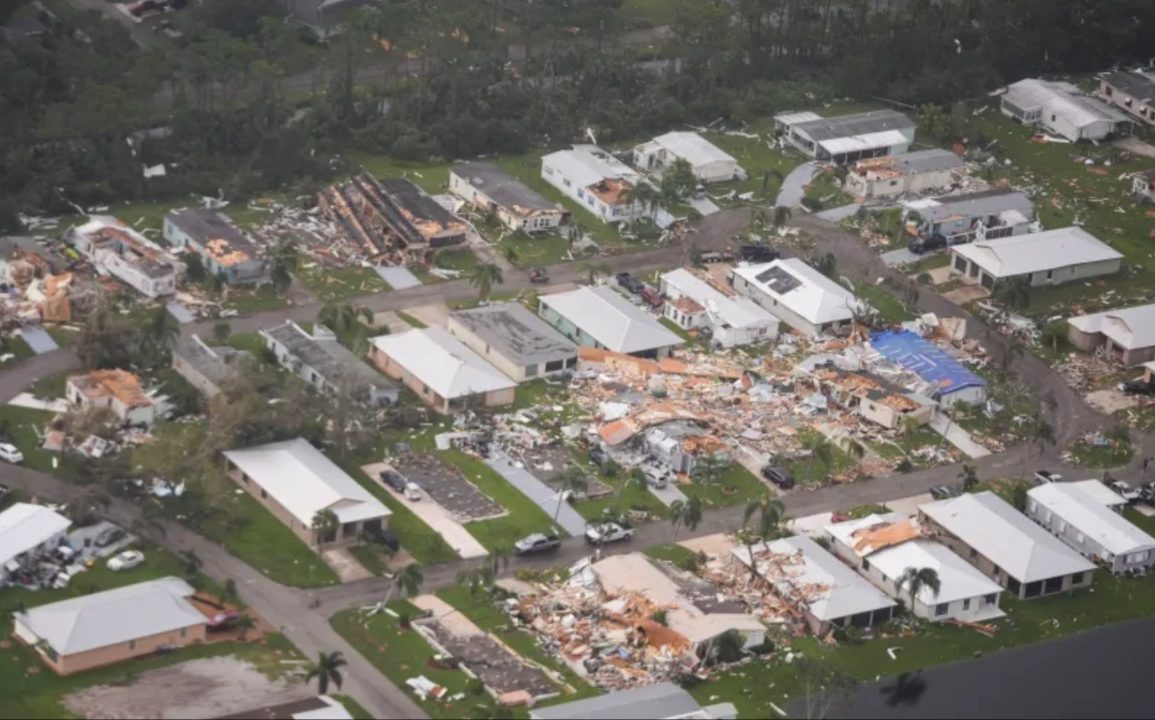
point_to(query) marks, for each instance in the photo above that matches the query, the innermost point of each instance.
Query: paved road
(1100, 673)
(794, 185)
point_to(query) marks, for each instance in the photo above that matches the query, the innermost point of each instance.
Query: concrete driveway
(542, 495)
(794, 185)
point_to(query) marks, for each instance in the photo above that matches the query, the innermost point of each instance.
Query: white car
(606, 533)
(11, 453)
(412, 492)
(126, 560)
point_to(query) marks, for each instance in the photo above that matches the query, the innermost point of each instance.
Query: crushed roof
(611, 320)
(1130, 328)
(220, 239)
(119, 384)
(735, 312)
(442, 362)
(1006, 537)
(814, 297)
(587, 165)
(515, 333)
(304, 481)
(114, 616)
(1081, 504)
(920, 161)
(925, 359)
(1037, 252)
(502, 187)
(24, 526)
(328, 357)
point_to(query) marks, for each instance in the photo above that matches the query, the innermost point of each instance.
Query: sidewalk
(541, 494)
(958, 437)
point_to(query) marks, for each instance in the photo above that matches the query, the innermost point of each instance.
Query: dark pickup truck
(536, 543)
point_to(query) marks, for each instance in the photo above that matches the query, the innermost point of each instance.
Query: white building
(1127, 334)
(709, 162)
(882, 547)
(661, 701)
(1051, 257)
(601, 318)
(817, 584)
(848, 138)
(444, 373)
(116, 249)
(118, 391)
(321, 360)
(915, 172)
(1005, 545)
(514, 340)
(963, 218)
(596, 180)
(492, 190)
(1060, 108)
(694, 303)
(1132, 92)
(27, 531)
(797, 294)
(1088, 516)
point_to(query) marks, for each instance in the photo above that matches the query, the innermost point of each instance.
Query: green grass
(647, 13)
(372, 557)
(51, 387)
(536, 392)
(825, 191)
(676, 554)
(461, 259)
(355, 709)
(627, 495)
(247, 301)
(862, 511)
(482, 609)
(735, 486)
(1111, 455)
(401, 654)
(889, 307)
(757, 159)
(328, 283)
(412, 321)
(24, 424)
(41, 694)
(433, 178)
(674, 328)
(536, 250)
(806, 472)
(17, 347)
(524, 516)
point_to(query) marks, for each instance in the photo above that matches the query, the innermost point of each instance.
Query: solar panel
(778, 280)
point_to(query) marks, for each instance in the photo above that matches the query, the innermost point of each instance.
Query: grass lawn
(735, 486)
(39, 694)
(372, 556)
(355, 709)
(401, 654)
(534, 251)
(482, 609)
(17, 347)
(825, 191)
(51, 387)
(648, 13)
(806, 472)
(24, 424)
(461, 259)
(628, 494)
(254, 300)
(1111, 455)
(757, 159)
(433, 178)
(414, 322)
(537, 392)
(524, 516)
(676, 554)
(889, 307)
(252, 342)
(673, 327)
(329, 283)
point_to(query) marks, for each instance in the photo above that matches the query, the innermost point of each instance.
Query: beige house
(444, 373)
(513, 340)
(1051, 257)
(916, 172)
(112, 626)
(117, 390)
(1127, 334)
(1132, 92)
(296, 482)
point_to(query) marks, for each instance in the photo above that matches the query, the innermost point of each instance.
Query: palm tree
(572, 481)
(344, 317)
(408, 581)
(1015, 292)
(157, 337)
(771, 174)
(326, 669)
(284, 262)
(930, 118)
(476, 579)
(854, 449)
(687, 513)
(325, 524)
(677, 514)
(769, 513)
(969, 476)
(245, 623)
(914, 580)
(484, 276)
(820, 449)
(192, 562)
(781, 215)
(708, 469)
(644, 194)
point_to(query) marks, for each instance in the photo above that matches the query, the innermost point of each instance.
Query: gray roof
(501, 187)
(1138, 85)
(927, 161)
(332, 360)
(516, 333)
(203, 225)
(664, 700)
(113, 617)
(211, 361)
(976, 204)
(857, 124)
(611, 320)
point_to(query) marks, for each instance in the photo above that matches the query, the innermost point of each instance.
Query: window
(530, 370)
(865, 564)
(581, 194)
(967, 604)
(131, 644)
(990, 599)
(567, 182)
(940, 609)
(184, 632)
(264, 495)
(554, 365)
(1077, 578)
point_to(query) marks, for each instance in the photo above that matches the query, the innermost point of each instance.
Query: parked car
(599, 456)
(610, 532)
(536, 543)
(538, 276)
(944, 492)
(925, 244)
(108, 536)
(393, 479)
(717, 256)
(1128, 493)
(1042, 477)
(778, 476)
(652, 298)
(126, 560)
(224, 620)
(629, 282)
(1138, 386)
(412, 491)
(656, 477)
(758, 253)
(1147, 493)
(11, 453)
(383, 536)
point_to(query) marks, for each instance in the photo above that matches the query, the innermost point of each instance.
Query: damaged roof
(327, 356)
(119, 384)
(220, 239)
(735, 312)
(515, 333)
(611, 320)
(502, 187)
(926, 360)
(587, 165)
(920, 161)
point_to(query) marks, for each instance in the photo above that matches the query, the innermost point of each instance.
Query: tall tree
(484, 276)
(915, 580)
(327, 669)
(325, 524)
(969, 477)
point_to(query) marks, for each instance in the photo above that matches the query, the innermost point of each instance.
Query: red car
(652, 297)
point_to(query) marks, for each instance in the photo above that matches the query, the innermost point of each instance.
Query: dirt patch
(209, 687)
(966, 294)
(1110, 401)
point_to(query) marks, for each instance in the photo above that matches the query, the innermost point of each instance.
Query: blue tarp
(925, 359)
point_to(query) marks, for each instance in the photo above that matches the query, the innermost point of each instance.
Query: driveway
(794, 185)
(839, 214)
(542, 495)
(899, 257)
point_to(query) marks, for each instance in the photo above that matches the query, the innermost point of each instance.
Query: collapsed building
(117, 250)
(391, 221)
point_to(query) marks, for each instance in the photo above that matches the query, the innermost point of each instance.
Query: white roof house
(1006, 537)
(24, 527)
(111, 617)
(443, 362)
(603, 318)
(595, 179)
(1086, 507)
(727, 315)
(1130, 328)
(793, 291)
(587, 165)
(831, 590)
(1072, 250)
(709, 162)
(1061, 108)
(304, 481)
(957, 579)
